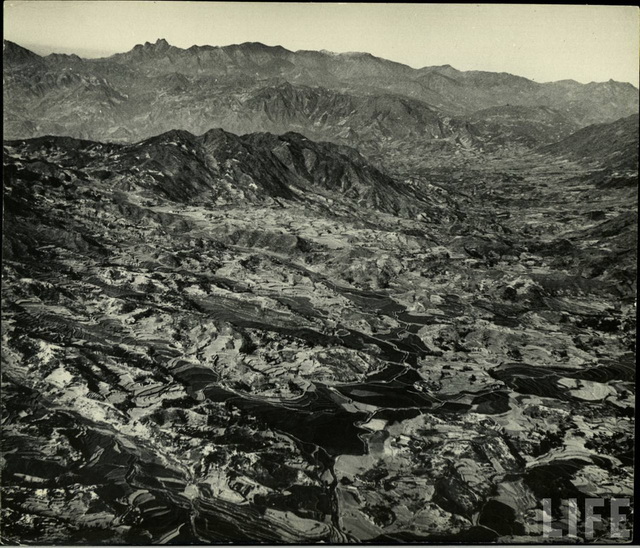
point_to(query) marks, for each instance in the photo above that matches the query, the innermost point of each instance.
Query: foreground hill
(355, 99)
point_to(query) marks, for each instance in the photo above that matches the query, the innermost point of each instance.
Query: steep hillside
(613, 146)
(520, 125)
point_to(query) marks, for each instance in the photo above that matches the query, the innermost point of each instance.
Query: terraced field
(312, 367)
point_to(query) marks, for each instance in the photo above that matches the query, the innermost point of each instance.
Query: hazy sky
(542, 42)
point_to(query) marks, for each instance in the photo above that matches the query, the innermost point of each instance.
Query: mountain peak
(160, 43)
(159, 46)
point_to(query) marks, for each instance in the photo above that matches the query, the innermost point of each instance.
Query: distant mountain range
(354, 98)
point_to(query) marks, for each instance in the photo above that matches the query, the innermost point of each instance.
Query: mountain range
(355, 99)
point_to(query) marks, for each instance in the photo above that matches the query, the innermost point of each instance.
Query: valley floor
(289, 372)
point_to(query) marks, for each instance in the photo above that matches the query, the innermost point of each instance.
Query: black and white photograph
(318, 273)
